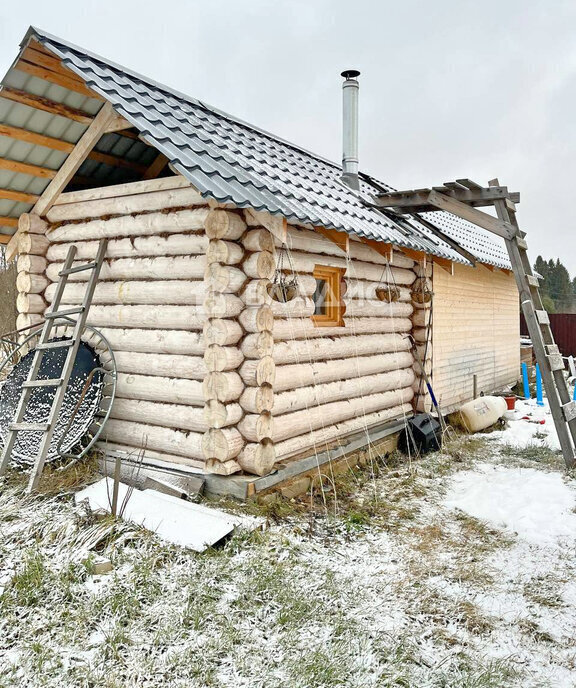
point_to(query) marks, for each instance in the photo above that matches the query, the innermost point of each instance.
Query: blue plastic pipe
(525, 379)
(539, 397)
(574, 395)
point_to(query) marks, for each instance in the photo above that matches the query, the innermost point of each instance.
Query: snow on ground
(456, 571)
(528, 425)
(537, 506)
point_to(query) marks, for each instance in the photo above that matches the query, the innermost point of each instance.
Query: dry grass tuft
(57, 477)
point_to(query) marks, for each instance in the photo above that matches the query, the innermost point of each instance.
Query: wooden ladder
(462, 198)
(548, 356)
(44, 344)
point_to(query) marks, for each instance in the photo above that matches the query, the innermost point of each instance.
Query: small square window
(328, 306)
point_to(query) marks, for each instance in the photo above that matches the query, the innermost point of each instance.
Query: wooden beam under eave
(418, 256)
(35, 53)
(125, 132)
(115, 161)
(444, 263)
(385, 250)
(5, 238)
(489, 267)
(25, 168)
(276, 225)
(117, 125)
(35, 139)
(81, 151)
(159, 163)
(66, 147)
(55, 78)
(18, 196)
(341, 239)
(45, 104)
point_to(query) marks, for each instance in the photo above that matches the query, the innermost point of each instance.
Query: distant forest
(558, 290)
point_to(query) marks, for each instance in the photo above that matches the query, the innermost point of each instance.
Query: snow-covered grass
(455, 570)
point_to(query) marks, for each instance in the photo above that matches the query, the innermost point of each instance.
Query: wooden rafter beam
(477, 217)
(159, 163)
(341, 239)
(81, 151)
(115, 161)
(26, 168)
(474, 197)
(84, 146)
(422, 257)
(18, 196)
(386, 250)
(35, 139)
(444, 263)
(45, 104)
(55, 78)
(418, 256)
(126, 132)
(117, 125)
(8, 221)
(5, 238)
(35, 53)
(67, 147)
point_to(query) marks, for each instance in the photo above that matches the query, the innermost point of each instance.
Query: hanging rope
(282, 288)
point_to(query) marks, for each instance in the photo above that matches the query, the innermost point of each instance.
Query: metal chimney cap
(350, 73)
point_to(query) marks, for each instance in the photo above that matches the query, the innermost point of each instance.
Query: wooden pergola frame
(461, 199)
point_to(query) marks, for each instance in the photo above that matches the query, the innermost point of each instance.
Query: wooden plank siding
(475, 330)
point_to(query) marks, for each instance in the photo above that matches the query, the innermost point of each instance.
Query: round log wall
(332, 381)
(151, 303)
(212, 372)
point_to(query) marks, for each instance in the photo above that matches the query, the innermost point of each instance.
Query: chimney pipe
(350, 129)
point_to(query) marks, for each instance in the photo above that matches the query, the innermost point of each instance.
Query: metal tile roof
(233, 162)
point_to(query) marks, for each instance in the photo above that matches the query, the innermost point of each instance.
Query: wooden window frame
(334, 316)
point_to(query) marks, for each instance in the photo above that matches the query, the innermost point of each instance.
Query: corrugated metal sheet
(230, 161)
(40, 122)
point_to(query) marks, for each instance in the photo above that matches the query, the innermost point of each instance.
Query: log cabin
(262, 310)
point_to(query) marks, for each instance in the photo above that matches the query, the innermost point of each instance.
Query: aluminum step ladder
(548, 356)
(44, 344)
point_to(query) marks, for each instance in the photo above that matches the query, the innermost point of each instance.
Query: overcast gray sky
(449, 89)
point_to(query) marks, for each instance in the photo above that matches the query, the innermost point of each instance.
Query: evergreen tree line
(557, 289)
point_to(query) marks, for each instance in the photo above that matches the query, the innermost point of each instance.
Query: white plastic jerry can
(482, 412)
